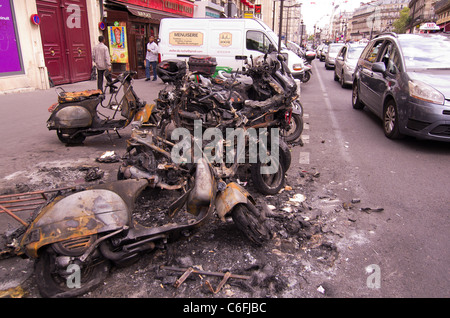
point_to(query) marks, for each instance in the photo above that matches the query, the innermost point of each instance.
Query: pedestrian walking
(102, 61)
(151, 59)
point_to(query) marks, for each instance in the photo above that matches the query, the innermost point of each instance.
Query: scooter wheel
(306, 77)
(268, 184)
(295, 130)
(251, 222)
(65, 138)
(54, 282)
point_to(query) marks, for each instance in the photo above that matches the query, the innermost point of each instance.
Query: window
(372, 53)
(257, 41)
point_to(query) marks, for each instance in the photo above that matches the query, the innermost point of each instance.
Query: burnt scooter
(77, 114)
(224, 116)
(76, 237)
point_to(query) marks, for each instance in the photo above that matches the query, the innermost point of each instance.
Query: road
(408, 178)
(405, 242)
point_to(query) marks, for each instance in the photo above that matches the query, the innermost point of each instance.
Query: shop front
(129, 23)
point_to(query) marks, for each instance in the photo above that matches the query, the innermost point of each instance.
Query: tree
(402, 22)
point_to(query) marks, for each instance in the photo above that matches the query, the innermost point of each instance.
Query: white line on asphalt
(304, 158)
(337, 130)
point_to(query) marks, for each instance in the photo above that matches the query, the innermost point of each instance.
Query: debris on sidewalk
(108, 157)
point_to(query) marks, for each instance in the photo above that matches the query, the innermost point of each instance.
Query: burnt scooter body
(76, 114)
(82, 233)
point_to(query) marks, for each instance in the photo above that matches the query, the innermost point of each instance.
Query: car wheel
(390, 120)
(336, 78)
(356, 102)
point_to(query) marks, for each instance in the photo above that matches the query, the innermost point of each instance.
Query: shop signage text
(180, 7)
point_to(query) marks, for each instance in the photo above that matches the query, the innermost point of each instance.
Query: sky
(319, 11)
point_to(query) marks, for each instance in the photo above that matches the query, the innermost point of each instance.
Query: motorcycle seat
(68, 97)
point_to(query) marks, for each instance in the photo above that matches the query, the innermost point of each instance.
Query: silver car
(345, 63)
(333, 50)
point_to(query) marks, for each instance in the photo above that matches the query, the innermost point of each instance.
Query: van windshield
(257, 41)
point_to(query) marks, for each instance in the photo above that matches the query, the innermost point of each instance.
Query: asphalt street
(407, 179)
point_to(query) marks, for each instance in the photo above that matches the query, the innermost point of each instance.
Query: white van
(230, 41)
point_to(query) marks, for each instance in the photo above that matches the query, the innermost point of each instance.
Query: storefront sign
(118, 44)
(186, 38)
(179, 7)
(9, 42)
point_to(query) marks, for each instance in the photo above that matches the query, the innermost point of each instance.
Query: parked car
(330, 57)
(405, 80)
(323, 52)
(345, 63)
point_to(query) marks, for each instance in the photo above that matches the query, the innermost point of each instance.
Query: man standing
(102, 60)
(151, 58)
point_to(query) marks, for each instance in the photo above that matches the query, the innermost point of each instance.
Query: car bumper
(427, 121)
(348, 78)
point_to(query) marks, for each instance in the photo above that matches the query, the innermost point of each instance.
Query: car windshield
(426, 52)
(334, 48)
(354, 52)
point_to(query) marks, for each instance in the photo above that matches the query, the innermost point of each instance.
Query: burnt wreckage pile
(203, 134)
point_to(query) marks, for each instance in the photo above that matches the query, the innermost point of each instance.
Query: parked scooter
(76, 115)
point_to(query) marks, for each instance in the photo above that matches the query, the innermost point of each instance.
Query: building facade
(442, 11)
(374, 18)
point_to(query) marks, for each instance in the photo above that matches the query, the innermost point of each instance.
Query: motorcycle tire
(296, 129)
(305, 78)
(268, 184)
(285, 155)
(64, 137)
(251, 222)
(51, 284)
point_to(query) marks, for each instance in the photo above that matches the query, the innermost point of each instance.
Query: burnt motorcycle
(265, 95)
(226, 167)
(79, 234)
(77, 115)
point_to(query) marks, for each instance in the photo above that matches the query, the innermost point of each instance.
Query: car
(405, 80)
(345, 63)
(323, 53)
(332, 52)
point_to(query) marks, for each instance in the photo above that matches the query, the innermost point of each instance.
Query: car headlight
(425, 92)
(297, 67)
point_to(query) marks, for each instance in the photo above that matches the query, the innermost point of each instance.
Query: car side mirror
(340, 58)
(379, 67)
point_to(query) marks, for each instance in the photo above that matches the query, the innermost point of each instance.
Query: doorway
(65, 40)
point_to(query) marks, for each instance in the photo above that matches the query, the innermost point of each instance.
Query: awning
(147, 13)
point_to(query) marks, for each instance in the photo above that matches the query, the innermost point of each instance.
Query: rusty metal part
(221, 284)
(21, 202)
(227, 199)
(188, 271)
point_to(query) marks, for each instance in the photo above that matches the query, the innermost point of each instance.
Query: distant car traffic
(405, 80)
(333, 50)
(345, 63)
